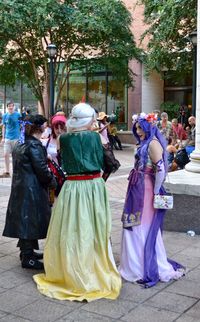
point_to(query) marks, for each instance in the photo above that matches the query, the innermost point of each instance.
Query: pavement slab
(171, 302)
(46, 310)
(185, 287)
(113, 309)
(81, 315)
(11, 317)
(187, 318)
(166, 302)
(194, 312)
(11, 301)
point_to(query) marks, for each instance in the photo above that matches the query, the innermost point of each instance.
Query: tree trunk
(43, 107)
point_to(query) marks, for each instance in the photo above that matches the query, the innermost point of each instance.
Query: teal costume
(81, 152)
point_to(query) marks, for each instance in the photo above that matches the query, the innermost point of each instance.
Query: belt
(84, 176)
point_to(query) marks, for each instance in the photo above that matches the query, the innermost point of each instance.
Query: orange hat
(101, 116)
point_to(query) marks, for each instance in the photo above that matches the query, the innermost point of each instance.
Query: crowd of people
(78, 262)
(180, 138)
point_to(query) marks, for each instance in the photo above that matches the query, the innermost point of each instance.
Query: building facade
(107, 94)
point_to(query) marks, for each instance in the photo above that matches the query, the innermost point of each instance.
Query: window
(100, 89)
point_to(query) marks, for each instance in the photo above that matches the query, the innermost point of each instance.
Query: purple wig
(150, 131)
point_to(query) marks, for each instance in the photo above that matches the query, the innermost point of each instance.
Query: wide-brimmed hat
(101, 116)
(82, 115)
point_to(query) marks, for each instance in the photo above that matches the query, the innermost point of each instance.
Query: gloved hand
(159, 177)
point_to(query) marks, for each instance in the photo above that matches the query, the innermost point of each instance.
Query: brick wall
(147, 94)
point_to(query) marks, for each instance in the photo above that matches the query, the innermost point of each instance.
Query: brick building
(107, 94)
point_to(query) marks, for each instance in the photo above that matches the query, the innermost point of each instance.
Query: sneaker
(32, 263)
(5, 175)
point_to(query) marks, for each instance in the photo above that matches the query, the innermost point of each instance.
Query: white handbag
(163, 201)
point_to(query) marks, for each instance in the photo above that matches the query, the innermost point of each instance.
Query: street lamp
(51, 50)
(193, 39)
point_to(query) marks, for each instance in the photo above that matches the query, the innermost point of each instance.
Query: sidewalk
(166, 302)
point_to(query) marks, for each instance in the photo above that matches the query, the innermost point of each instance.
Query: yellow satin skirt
(78, 259)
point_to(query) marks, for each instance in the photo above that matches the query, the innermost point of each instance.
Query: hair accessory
(22, 132)
(151, 117)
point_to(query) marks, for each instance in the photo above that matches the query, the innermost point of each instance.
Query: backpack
(111, 164)
(181, 158)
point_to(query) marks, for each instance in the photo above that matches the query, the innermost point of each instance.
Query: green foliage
(169, 24)
(79, 29)
(170, 108)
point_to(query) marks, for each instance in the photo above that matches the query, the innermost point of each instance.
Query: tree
(79, 29)
(169, 23)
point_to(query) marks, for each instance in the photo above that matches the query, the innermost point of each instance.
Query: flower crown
(151, 117)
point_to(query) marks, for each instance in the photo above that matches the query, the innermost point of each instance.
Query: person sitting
(181, 158)
(177, 156)
(179, 133)
(165, 126)
(171, 152)
(190, 142)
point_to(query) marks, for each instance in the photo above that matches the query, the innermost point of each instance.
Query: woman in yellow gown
(78, 259)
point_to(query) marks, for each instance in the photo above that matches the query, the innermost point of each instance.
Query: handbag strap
(47, 144)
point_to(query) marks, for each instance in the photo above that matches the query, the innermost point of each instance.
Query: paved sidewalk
(175, 301)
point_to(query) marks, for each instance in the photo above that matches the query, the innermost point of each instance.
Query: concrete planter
(185, 187)
(126, 137)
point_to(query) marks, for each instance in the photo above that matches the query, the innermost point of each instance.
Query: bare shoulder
(155, 144)
(155, 150)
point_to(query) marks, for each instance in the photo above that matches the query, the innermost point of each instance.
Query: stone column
(194, 164)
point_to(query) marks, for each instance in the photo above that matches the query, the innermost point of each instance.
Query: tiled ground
(175, 301)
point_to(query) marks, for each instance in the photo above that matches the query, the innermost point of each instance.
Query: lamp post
(51, 50)
(193, 39)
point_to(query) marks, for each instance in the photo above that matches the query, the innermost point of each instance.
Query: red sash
(84, 176)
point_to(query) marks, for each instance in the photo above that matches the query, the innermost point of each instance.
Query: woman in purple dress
(143, 255)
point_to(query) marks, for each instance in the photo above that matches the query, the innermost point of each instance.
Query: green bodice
(81, 152)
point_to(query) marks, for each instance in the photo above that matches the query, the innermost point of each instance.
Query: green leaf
(100, 28)
(169, 24)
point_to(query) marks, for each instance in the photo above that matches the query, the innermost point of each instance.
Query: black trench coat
(28, 211)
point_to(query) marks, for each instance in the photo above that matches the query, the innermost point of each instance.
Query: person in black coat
(28, 211)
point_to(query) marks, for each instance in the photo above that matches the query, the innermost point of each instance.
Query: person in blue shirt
(10, 135)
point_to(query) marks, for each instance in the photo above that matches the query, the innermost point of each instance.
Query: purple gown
(143, 255)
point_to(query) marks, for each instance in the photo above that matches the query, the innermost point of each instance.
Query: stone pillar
(194, 164)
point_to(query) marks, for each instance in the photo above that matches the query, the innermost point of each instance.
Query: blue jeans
(189, 149)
